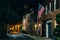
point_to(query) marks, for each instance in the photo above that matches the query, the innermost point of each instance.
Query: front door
(49, 29)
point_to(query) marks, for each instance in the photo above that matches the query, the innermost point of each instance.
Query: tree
(7, 16)
(58, 18)
(58, 26)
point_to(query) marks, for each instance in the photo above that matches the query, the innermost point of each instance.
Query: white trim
(50, 7)
(47, 28)
(46, 10)
(49, 21)
(46, 31)
(54, 4)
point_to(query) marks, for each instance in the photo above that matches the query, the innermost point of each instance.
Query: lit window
(55, 23)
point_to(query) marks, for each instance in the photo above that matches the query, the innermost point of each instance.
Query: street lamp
(35, 27)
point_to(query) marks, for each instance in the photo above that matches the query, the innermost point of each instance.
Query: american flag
(40, 10)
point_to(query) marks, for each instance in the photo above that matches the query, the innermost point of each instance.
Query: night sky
(18, 5)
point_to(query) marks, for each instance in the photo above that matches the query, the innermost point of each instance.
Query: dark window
(48, 8)
(57, 4)
(52, 5)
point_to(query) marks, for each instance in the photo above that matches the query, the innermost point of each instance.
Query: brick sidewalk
(39, 38)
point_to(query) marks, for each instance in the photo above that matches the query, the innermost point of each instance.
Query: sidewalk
(39, 38)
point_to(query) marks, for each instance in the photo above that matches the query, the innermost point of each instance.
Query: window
(46, 10)
(57, 4)
(13, 29)
(52, 6)
(55, 23)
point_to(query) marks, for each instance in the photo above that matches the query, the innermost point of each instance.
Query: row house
(49, 18)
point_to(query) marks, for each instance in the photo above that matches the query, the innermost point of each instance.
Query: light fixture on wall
(35, 26)
(55, 24)
(39, 25)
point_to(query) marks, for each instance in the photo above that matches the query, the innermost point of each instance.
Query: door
(49, 29)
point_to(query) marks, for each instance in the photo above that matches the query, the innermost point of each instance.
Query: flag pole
(40, 11)
(37, 20)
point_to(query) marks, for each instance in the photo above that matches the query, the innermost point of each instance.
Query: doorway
(49, 29)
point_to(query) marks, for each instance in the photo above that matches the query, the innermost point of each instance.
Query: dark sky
(18, 5)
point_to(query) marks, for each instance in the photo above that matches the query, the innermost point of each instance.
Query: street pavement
(25, 37)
